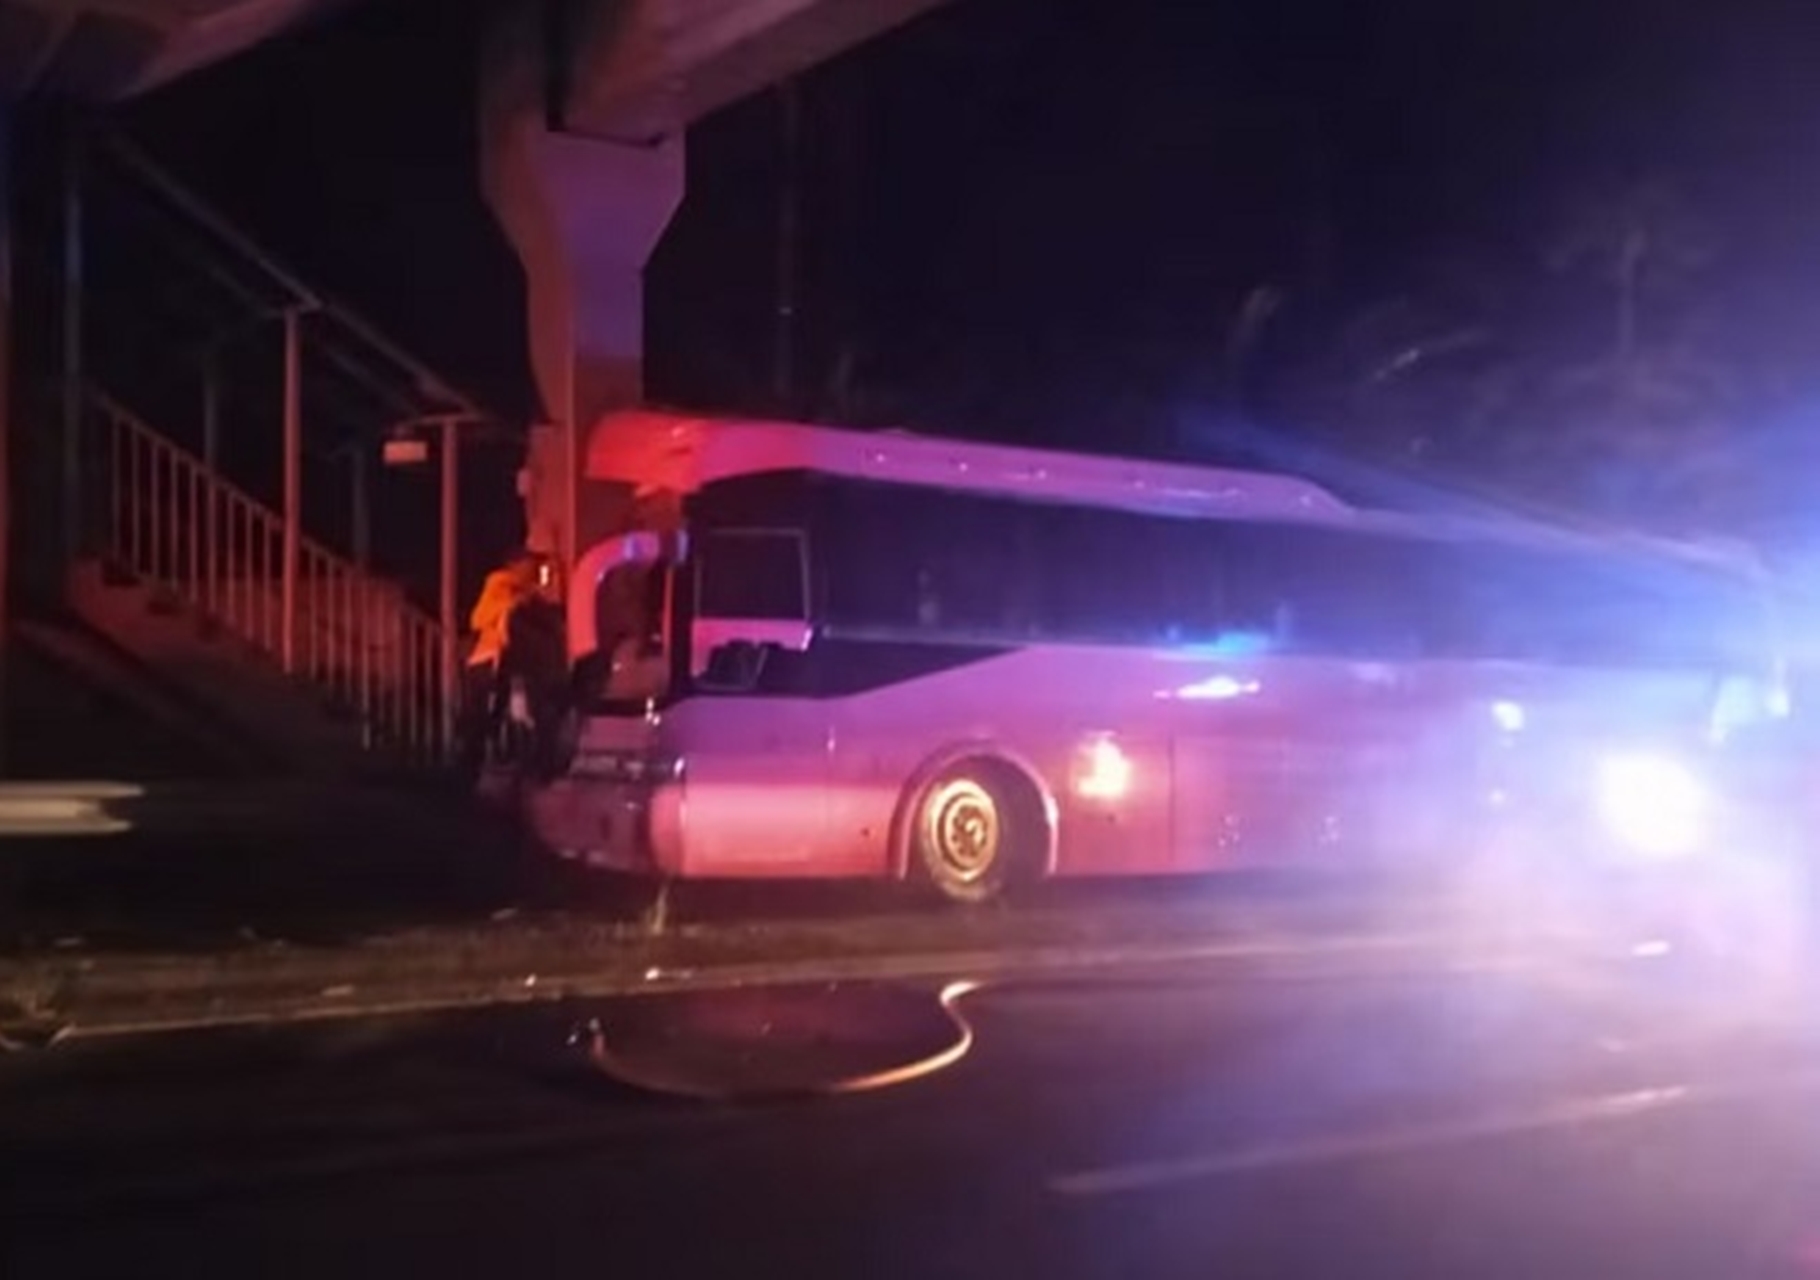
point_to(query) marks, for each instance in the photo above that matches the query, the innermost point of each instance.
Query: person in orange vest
(527, 577)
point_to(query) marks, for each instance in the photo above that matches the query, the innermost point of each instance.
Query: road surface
(1145, 1123)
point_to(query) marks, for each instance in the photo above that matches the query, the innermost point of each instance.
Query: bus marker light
(1220, 688)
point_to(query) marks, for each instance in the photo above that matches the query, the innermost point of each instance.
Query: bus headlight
(1655, 805)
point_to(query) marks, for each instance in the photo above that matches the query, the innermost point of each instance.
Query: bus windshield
(1584, 608)
(751, 602)
(632, 667)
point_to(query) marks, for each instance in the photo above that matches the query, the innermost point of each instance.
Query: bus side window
(1112, 579)
(1257, 606)
(1022, 597)
(928, 599)
(868, 556)
(1322, 592)
(752, 575)
(1506, 608)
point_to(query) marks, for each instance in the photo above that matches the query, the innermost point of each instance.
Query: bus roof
(657, 451)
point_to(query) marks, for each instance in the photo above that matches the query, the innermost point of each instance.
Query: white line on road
(1397, 1139)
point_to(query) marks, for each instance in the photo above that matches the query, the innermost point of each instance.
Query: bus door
(618, 647)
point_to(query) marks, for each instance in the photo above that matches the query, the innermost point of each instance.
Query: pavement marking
(1399, 1139)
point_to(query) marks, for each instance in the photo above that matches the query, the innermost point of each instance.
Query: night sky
(1036, 219)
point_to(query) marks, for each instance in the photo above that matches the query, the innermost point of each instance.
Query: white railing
(359, 642)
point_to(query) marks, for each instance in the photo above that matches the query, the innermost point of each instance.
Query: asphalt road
(1143, 1124)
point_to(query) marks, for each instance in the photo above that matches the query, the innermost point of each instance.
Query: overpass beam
(584, 105)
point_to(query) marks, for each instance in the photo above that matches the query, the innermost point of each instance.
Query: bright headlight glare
(1655, 805)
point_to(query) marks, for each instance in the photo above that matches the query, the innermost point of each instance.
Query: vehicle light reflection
(1656, 805)
(1104, 772)
(1220, 688)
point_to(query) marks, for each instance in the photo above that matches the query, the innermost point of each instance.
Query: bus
(811, 652)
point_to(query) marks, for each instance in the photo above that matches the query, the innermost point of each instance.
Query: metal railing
(178, 525)
(192, 231)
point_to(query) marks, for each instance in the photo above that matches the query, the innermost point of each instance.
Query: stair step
(99, 676)
(305, 715)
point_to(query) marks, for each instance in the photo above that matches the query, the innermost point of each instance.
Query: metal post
(293, 485)
(6, 417)
(73, 375)
(451, 516)
(570, 539)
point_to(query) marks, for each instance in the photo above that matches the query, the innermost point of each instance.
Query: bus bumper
(628, 827)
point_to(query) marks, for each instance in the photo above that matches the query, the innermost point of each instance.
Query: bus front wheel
(974, 830)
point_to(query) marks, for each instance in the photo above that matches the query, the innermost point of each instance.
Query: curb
(559, 942)
(99, 1008)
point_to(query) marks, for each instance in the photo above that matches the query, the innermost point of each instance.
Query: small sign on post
(405, 451)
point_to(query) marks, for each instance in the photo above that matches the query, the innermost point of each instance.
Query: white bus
(823, 653)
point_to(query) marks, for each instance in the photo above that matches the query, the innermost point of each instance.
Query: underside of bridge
(584, 106)
(105, 50)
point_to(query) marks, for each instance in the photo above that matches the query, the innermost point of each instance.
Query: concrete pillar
(583, 214)
(448, 449)
(74, 375)
(6, 422)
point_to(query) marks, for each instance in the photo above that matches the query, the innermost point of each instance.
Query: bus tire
(974, 829)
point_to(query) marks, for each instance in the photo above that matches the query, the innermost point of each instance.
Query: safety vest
(504, 590)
